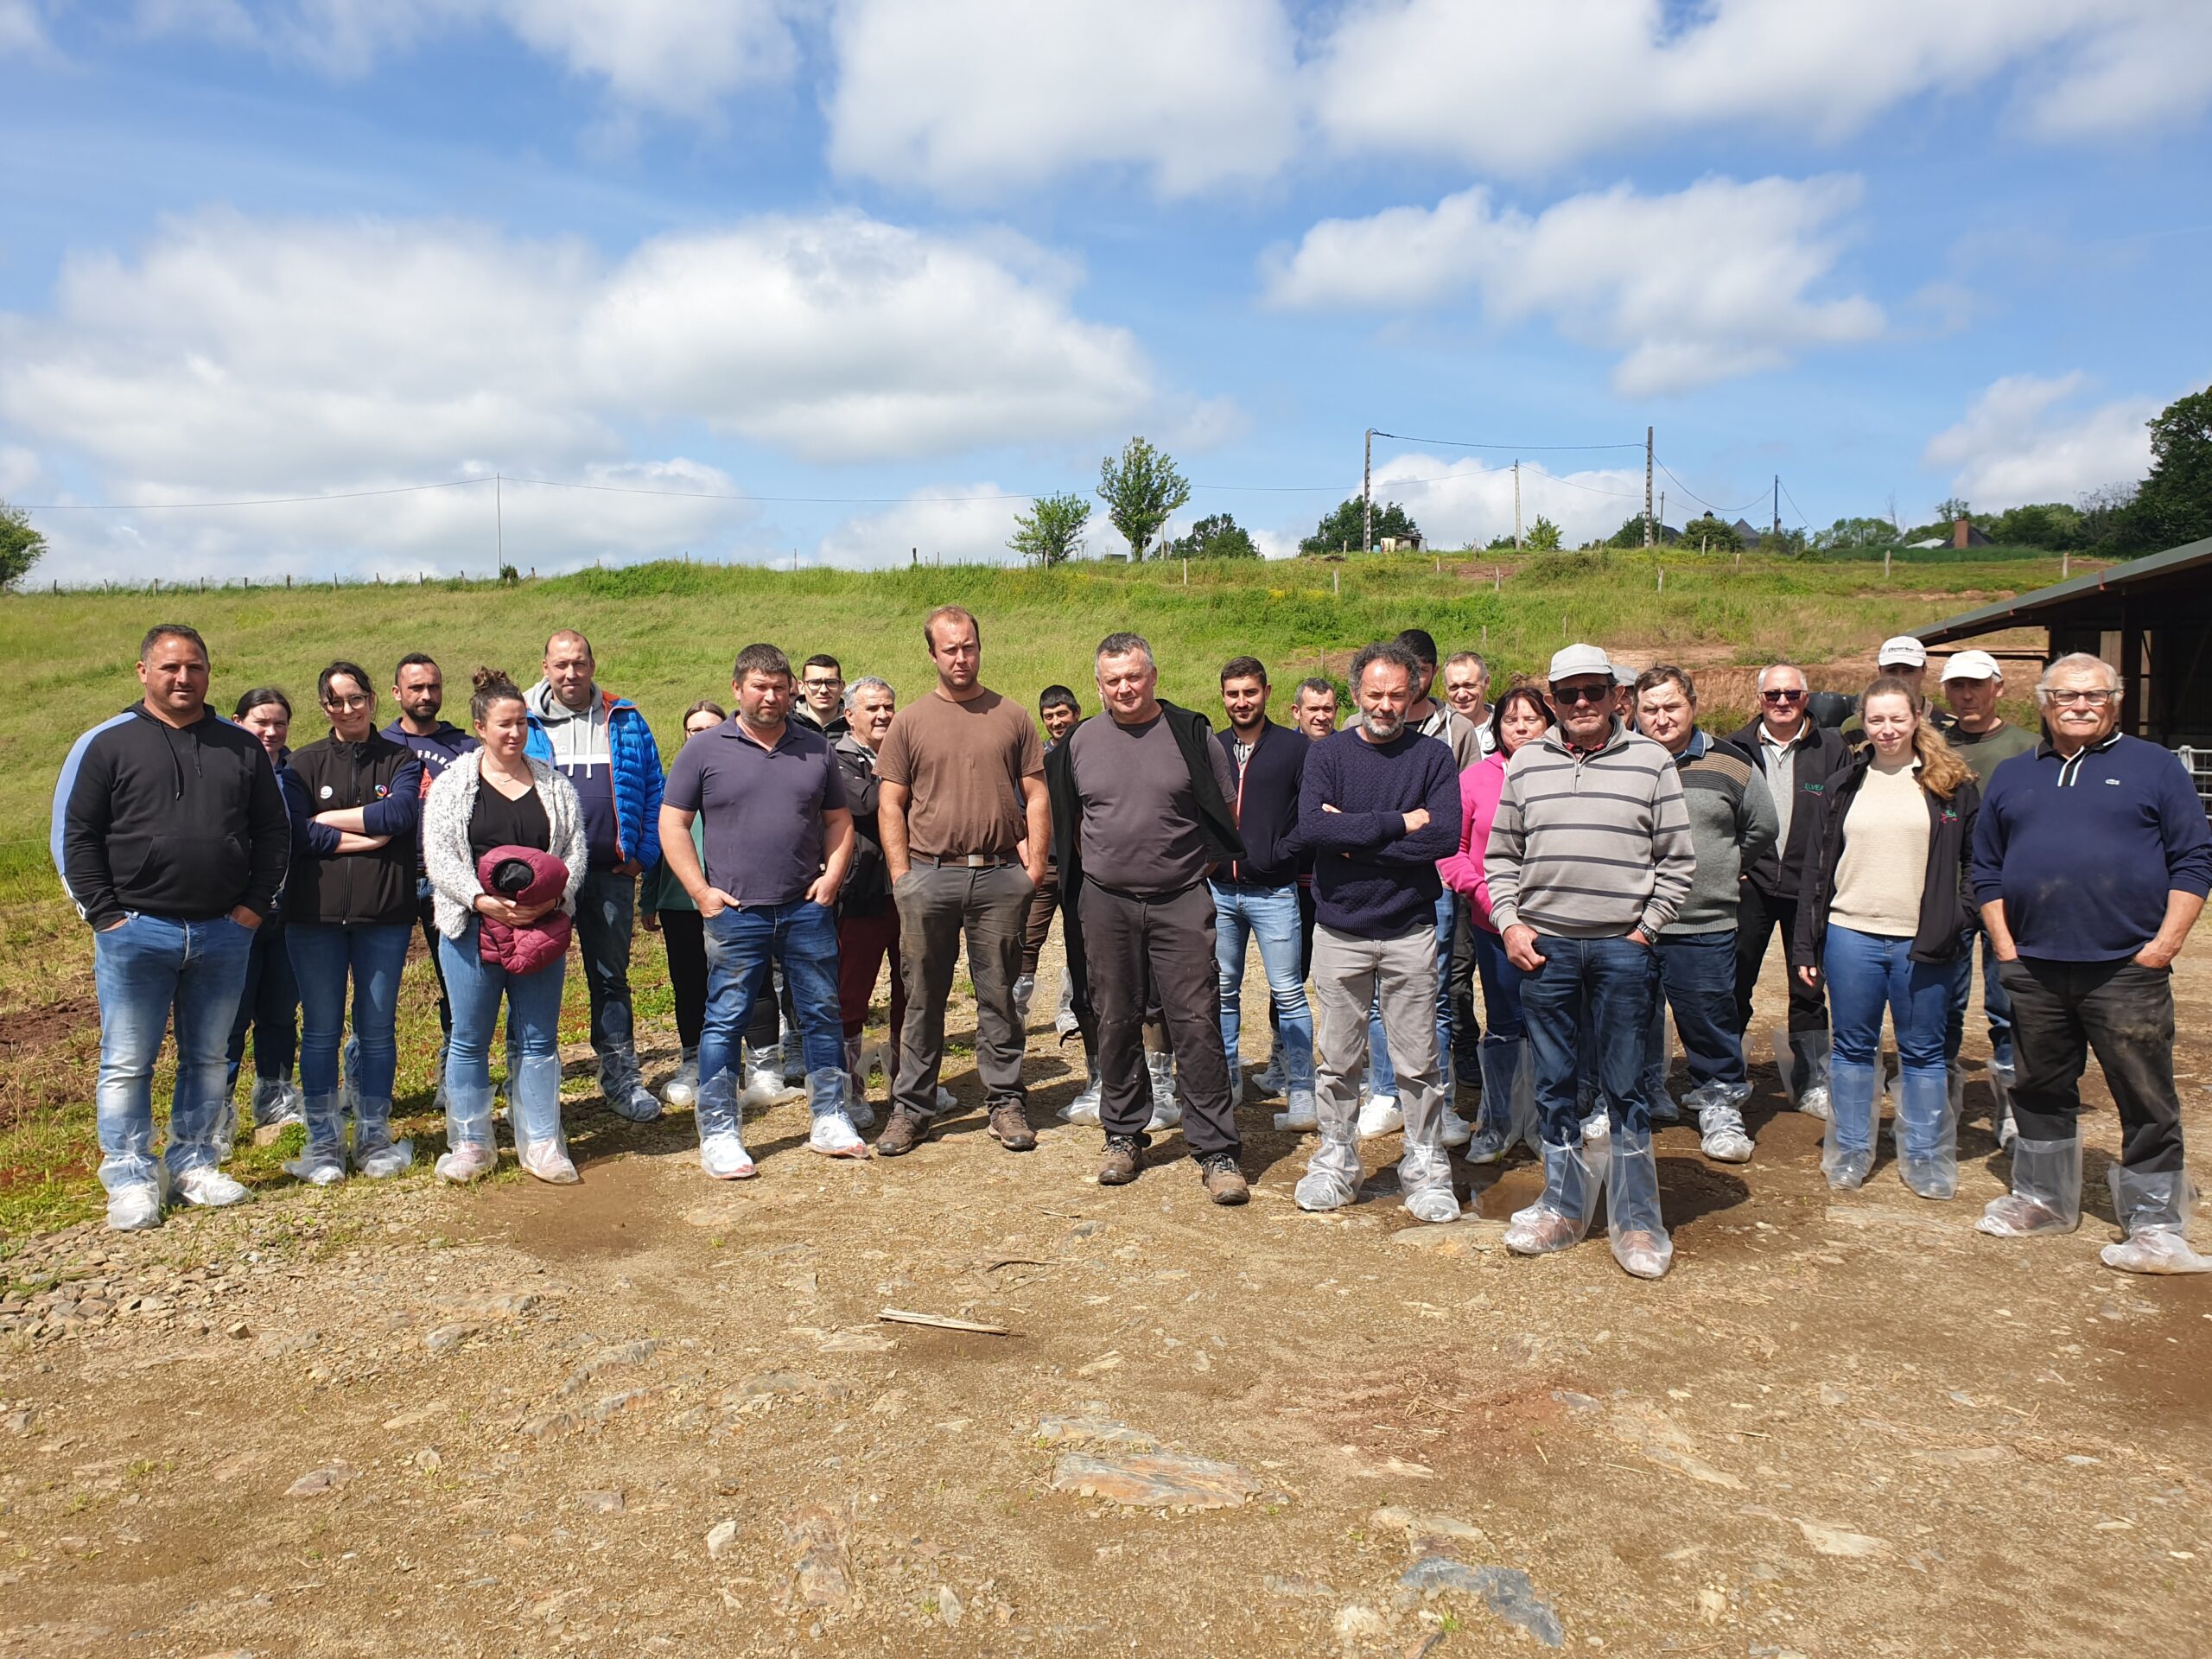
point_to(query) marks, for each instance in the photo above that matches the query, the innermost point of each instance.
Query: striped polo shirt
(1590, 846)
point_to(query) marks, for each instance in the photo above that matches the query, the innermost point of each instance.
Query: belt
(962, 861)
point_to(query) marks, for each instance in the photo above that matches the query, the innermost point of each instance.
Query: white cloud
(1505, 86)
(1465, 503)
(968, 97)
(1742, 307)
(20, 28)
(952, 523)
(243, 357)
(2026, 439)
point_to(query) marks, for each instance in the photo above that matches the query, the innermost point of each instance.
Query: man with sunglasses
(1801, 762)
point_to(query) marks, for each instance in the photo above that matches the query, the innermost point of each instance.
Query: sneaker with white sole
(208, 1188)
(1380, 1115)
(131, 1209)
(724, 1157)
(834, 1136)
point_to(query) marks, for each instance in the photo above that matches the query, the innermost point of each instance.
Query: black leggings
(685, 936)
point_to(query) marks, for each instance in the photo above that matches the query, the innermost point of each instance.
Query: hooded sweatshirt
(579, 747)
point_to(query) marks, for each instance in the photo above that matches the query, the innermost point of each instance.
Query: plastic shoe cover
(724, 1157)
(683, 1090)
(1721, 1136)
(834, 1136)
(1637, 1229)
(469, 1134)
(276, 1102)
(1453, 1130)
(635, 1101)
(1331, 1177)
(1666, 1110)
(2046, 1195)
(376, 1155)
(856, 1107)
(1800, 1060)
(1276, 1077)
(764, 1079)
(2001, 1078)
(1573, 1177)
(1380, 1115)
(208, 1188)
(1847, 1148)
(1167, 1110)
(1598, 1125)
(1957, 1092)
(1425, 1177)
(1083, 1109)
(946, 1100)
(1024, 988)
(1301, 1113)
(2153, 1211)
(1509, 1098)
(465, 1163)
(323, 1162)
(224, 1135)
(131, 1209)
(541, 1145)
(1716, 1094)
(1928, 1136)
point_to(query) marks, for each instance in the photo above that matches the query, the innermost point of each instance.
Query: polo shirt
(762, 808)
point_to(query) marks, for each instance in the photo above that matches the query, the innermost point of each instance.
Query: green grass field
(664, 635)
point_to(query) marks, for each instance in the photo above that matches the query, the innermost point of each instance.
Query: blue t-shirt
(762, 807)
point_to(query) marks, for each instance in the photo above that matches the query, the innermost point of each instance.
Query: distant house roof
(1747, 532)
(2047, 605)
(1933, 541)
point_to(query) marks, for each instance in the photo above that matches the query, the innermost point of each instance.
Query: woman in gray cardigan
(500, 797)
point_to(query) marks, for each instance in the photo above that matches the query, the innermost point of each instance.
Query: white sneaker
(208, 1188)
(1721, 1135)
(834, 1136)
(1301, 1116)
(724, 1157)
(1380, 1115)
(764, 1088)
(1455, 1130)
(133, 1207)
(1813, 1103)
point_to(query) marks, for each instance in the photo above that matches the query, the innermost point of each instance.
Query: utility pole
(1778, 504)
(1517, 506)
(1648, 533)
(1367, 497)
(1663, 508)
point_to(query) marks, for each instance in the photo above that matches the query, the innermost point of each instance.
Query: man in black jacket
(1141, 816)
(1802, 762)
(171, 839)
(1256, 897)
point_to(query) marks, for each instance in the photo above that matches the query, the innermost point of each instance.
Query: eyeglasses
(2092, 699)
(1781, 696)
(823, 685)
(345, 705)
(1573, 694)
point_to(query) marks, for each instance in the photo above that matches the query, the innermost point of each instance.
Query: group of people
(1580, 848)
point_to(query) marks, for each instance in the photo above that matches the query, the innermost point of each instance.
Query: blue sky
(838, 280)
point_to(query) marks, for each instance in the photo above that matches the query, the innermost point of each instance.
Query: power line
(1803, 522)
(1515, 448)
(1708, 505)
(256, 501)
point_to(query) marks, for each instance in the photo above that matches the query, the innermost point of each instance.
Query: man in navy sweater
(419, 688)
(2091, 862)
(1378, 806)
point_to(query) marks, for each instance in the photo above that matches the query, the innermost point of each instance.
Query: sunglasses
(1782, 696)
(1573, 694)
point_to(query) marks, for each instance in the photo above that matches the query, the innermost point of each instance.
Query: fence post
(1662, 580)
(288, 580)
(1335, 584)
(1186, 572)
(1886, 564)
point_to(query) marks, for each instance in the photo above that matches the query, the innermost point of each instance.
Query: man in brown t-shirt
(966, 833)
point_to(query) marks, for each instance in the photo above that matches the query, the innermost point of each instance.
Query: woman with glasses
(1508, 1105)
(1884, 908)
(269, 1005)
(355, 798)
(1802, 761)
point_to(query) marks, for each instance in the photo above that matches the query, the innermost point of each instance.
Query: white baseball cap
(1624, 675)
(1573, 660)
(1903, 649)
(1971, 665)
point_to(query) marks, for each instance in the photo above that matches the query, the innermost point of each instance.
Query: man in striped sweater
(1590, 857)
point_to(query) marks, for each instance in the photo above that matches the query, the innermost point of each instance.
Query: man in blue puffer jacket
(602, 744)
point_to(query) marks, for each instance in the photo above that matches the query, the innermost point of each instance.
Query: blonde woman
(1880, 927)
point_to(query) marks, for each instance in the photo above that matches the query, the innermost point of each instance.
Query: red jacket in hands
(540, 944)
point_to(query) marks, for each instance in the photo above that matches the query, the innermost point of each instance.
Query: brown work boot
(1124, 1161)
(902, 1133)
(1224, 1182)
(1010, 1127)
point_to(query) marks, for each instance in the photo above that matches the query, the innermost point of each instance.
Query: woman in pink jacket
(1508, 1103)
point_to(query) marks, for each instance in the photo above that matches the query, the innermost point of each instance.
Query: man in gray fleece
(1733, 825)
(1590, 858)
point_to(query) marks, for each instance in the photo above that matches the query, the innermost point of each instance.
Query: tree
(1219, 536)
(1052, 530)
(21, 546)
(2174, 503)
(1543, 536)
(1711, 535)
(1631, 534)
(1856, 532)
(2104, 513)
(1140, 489)
(1346, 527)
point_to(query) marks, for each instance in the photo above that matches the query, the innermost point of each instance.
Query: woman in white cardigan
(500, 797)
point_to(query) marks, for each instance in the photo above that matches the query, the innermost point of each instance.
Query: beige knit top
(1885, 861)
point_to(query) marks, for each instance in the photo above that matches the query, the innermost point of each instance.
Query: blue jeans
(1383, 1076)
(1866, 974)
(475, 987)
(1996, 1001)
(1697, 975)
(147, 970)
(742, 941)
(1242, 911)
(269, 1006)
(1604, 988)
(607, 909)
(1500, 987)
(325, 955)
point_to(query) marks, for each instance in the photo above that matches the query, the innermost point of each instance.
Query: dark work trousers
(1304, 942)
(1467, 1023)
(2061, 1011)
(426, 913)
(1042, 909)
(936, 905)
(685, 936)
(1758, 915)
(269, 1006)
(863, 942)
(1167, 943)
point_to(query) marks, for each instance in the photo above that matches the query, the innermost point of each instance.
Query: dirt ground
(654, 1415)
